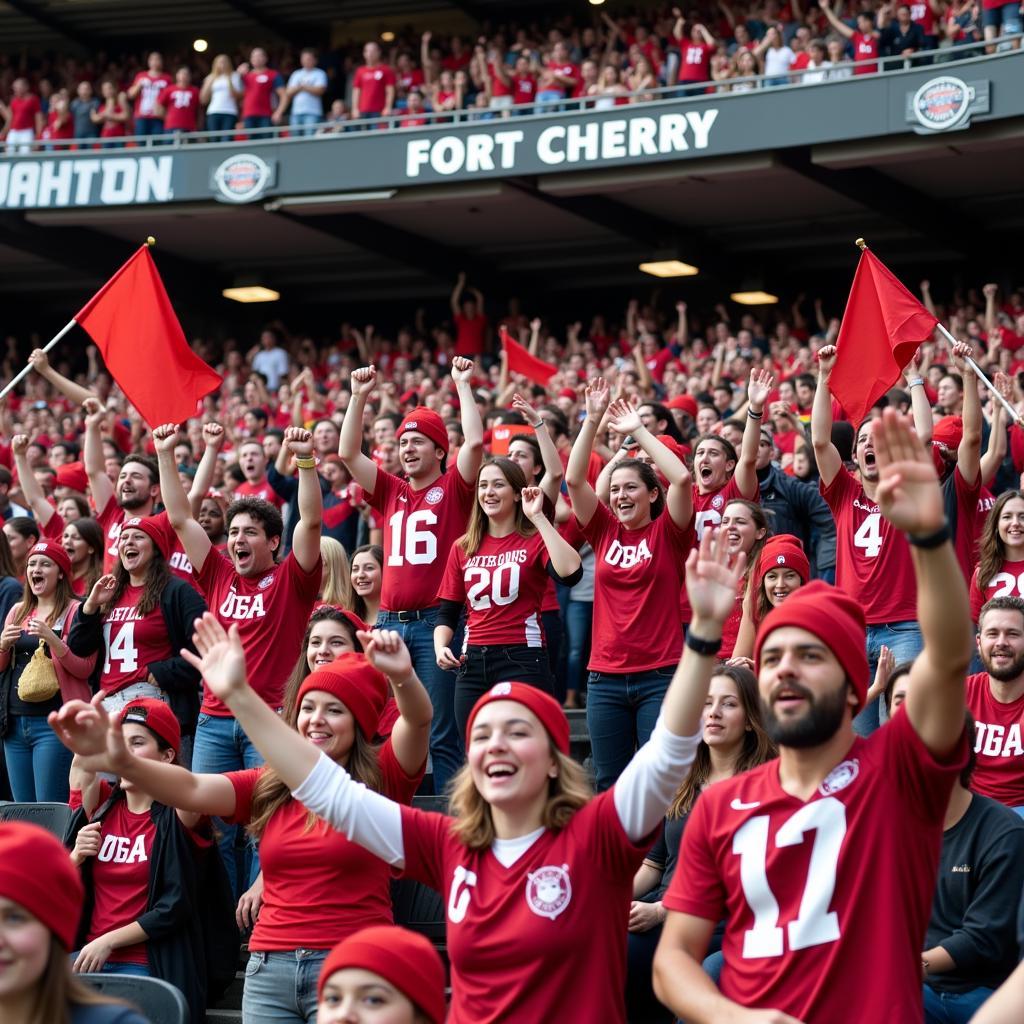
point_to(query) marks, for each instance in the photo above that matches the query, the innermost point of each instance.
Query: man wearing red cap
(806, 857)
(424, 514)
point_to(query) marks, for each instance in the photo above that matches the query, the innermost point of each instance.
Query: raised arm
(843, 29)
(584, 500)
(968, 454)
(758, 390)
(995, 452)
(825, 452)
(456, 297)
(564, 558)
(471, 453)
(551, 481)
(350, 445)
(100, 487)
(213, 436)
(920, 407)
(193, 537)
(41, 364)
(30, 487)
(306, 538)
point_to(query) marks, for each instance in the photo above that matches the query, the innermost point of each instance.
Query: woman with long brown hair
(367, 576)
(1000, 571)
(745, 525)
(82, 539)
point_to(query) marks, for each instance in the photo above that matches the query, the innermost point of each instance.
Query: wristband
(931, 540)
(916, 382)
(708, 648)
(305, 462)
(754, 415)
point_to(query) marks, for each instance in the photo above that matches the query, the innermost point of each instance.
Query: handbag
(38, 680)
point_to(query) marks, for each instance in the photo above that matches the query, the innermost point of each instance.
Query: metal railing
(404, 121)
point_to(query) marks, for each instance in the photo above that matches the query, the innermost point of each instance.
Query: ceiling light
(754, 298)
(251, 293)
(200, 45)
(387, 37)
(596, 3)
(669, 268)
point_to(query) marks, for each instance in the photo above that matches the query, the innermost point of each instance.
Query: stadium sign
(243, 178)
(86, 181)
(946, 103)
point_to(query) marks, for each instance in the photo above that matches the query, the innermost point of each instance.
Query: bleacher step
(223, 1017)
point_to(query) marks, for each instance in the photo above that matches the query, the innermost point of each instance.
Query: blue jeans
(905, 642)
(280, 987)
(37, 762)
(222, 746)
(579, 617)
(149, 126)
(621, 713)
(446, 750)
(255, 121)
(138, 970)
(952, 1007)
(303, 123)
(221, 123)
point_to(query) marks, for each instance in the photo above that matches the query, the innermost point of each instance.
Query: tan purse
(38, 681)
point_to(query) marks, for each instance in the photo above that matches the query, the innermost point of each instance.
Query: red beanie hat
(356, 683)
(153, 528)
(569, 393)
(784, 550)
(833, 617)
(406, 960)
(156, 716)
(949, 431)
(426, 422)
(687, 403)
(544, 706)
(55, 553)
(36, 872)
(73, 475)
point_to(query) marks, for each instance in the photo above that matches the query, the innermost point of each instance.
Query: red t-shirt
(182, 107)
(999, 771)
(55, 131)
(864, 48)
(262, 489)
(695, 62)
(708, 508)
(818, 896)
(635, 628)
(872, 557)
(271, 613)
(503, 585)
(923, 15)
(419, 530)
(543, 939)
(470, 334)
(410, 79)
(319, 887)
(524, 88)
(963, 505)
(149, 95)
(132, 642)
(372, 84)
(498, 86)
(568, 70)
(23, 112)
(259, 90)
(113, 518)
(1008, 582)
(113, 129)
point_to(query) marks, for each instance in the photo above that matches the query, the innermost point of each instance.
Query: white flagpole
(46, 348)
(981, 376)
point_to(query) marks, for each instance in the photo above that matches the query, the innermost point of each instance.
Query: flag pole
(46, 348)
(980, 374)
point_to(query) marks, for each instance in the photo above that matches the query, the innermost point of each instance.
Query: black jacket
(190, 915)
(796, 507)
(180, 606)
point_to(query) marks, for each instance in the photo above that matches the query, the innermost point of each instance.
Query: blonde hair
(220, 60)
(568, 792)
(337, 580)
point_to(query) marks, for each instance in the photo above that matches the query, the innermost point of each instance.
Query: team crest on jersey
(434, 495)
(780, 559)
(717, 501)
(265, 582)
(548, 890)
(501, 689)
(840, 777)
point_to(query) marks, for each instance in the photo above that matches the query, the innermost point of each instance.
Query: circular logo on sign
(717, 501)
(942, 103)
(840, 777)
(266, 581)
(242, 178)
(434, 495)
(548, 890)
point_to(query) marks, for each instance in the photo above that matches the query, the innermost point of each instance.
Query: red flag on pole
(520, 361)
(882, 327)
(134, 326)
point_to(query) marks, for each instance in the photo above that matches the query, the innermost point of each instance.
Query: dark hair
(6, 479)
(538, 458)
(662, 412)
(807, 379)
(145, 461)
(967, 772)
(843, 437)
(511, 417)
(1001, 604)
(377, 553)
(258, 509)
(730, 451)
(955, 378)
(274, 432)
(325, 419)
(158, 575)
(560, 424)
(7, 566)
(257, 413)
(648, 478)
(25, 525)
(393, 417)
(92, 533)
(894, 677)
(71, 447)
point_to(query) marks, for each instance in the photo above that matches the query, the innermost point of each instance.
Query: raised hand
(530, 414)
(533, 502)
(221, 659)
(19, 444)
(385, 650)
(39, 630)
(88, 731)
(988, 290)
(759, 388)
(165, 437)
(908, 488)
(102, 593)
(9, 635)
(299, 441)
(886, 663)
(623, 418)
(94, 412)
(827, 360)
(87, 842)
(462, 369)
(711, 582)
(39, 360)
(960, 353)
(597, 397)
(213, 435)
(535, 324)
(364, 380)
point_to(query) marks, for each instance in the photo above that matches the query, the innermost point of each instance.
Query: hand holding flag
(521, 361)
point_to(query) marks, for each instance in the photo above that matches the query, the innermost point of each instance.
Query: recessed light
(669, 268)
(754, 298)
(200, 45)
(251, 293)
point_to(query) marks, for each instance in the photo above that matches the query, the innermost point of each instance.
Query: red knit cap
(153, 528)
(36, 872)
(356, 683)
(949, 431)
(786, 551)
(569, 393)
(55, 553)
(404, 959)
(156, 716)
(687, 403)
(545, 707)
(835, 618)
(426, 422)
(73, 475)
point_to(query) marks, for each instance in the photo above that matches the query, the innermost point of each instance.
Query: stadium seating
(160, 1002)
(53, 817)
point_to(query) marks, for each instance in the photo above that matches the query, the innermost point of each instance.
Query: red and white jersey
(923, 15)
(260, 489)
(1008, 582)
(695, 62)
(819, 896)
(872, 557)
(271, 611)
(522, 938)
(708, 508)
(112, 518)
(503, 587)
(149, 95)
(420, 528)
(999, 771)
(637, 574)
(132, 642)
(864, 48)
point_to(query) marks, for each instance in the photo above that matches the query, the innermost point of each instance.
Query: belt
(412, 616)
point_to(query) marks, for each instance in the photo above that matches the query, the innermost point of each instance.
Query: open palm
(221, 659)
(908, 488)
(711, 582)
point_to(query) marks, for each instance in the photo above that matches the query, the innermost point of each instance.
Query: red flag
(134, 326)
(882, 327)
(520, 361)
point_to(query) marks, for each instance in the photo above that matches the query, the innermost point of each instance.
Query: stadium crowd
(508, 69)
(236, 645)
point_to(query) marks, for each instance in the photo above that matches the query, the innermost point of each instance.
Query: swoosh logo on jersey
(738, 805)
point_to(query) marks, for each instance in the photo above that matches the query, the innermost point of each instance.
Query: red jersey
(635, 628)
(923, 15)
(503, 585)
(800, 884)
(259, 91)
(872, 557)
(999, 771)
(23, 112)
(260, 489)
(132, 642)
(524, 88)
(319, 886)
(271, 613)
(149, 95)
(695, 62)
(412, 79)
(372, 84)
(521, 938)
(963, 509)
(181, 107)
(113, 129)
(113, 518)
(1008, 582)
(58, 131)
(864, 48)
(498, 84)
(420, 528)
(708, 508)
(568, 70)
(470, 334)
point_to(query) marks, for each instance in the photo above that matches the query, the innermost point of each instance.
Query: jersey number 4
(409, 543)
(815, 924)
(869, 535)
(120, 647)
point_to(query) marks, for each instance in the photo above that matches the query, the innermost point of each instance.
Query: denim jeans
(221, 123)
(37, 762)
(149, 126)
(446, 749)
(952, 1007)
(904, 641)
(255, 121)
(138, 970)
(485, 666)
(622, 710)
(302, 124)
(221, 746)
(579, 617)
(280, 987)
